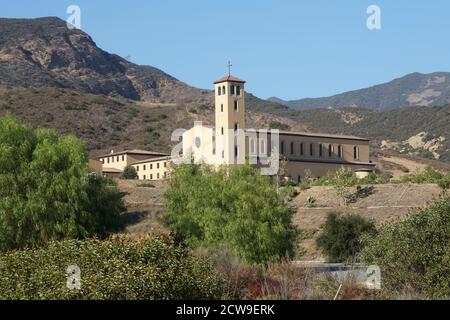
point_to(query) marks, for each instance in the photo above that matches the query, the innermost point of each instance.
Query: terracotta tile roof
(316, 135)
(229, 78)
(168, 158)
(138, 152)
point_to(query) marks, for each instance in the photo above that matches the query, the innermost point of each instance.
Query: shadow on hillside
(361, 193)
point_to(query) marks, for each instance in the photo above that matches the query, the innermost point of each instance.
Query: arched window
(232, 90)
(340, 152)
(330, 150)
(236, 106)
(238, 90)
(223, 90)
(221, 107)
(311, 149)
(292, 149)
(320, 150)
(302, 149)
(220, 91)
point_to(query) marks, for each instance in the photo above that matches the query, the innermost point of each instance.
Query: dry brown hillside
(384, 204)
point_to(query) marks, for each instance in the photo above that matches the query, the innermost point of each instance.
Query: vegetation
(129, 173)
(115, 269)
(340, 239)
(415, 253)
(348, 178)
(233, 206)
(428, 175)
(45, 191)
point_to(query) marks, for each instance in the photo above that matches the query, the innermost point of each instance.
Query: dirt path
(410, 165)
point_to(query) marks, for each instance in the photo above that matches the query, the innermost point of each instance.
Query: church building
(298, 155)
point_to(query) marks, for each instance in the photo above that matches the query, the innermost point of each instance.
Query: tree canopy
(45, 190)
(232, 206)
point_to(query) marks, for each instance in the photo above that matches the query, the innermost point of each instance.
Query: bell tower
(230, 115)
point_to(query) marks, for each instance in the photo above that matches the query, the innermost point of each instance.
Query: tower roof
(229, 78)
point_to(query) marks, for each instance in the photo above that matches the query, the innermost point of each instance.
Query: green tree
(45, 192)
(344, 179)
(414, 253)
(232, 206)
(129, 173)
(340, 239)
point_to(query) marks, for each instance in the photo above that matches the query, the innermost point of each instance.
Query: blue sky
(286, 48)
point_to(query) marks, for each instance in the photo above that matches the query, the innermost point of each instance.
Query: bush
(129, 173)
(428, 175)
(45, 190)
(340, 239)
(232, 206)
(415, 253)
(119, 268)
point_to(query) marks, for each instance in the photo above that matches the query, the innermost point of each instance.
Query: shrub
(340, 238)
(129, 173)
(414, 253)
(119, 268)
(233, 206)
(45, 190)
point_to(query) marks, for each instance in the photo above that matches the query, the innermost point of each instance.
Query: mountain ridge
(414, 89)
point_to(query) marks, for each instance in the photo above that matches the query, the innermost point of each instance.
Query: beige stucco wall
(227, 118)
(122, 160)
(153, 170)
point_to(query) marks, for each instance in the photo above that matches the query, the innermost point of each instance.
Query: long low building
(302, 155)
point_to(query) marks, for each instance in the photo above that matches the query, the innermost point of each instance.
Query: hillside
(415, 89)
(43, 52)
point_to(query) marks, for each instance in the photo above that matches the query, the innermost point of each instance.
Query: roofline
(151, 160)
(114, 170)
(315, 135)
(144, 153)
(227, 80)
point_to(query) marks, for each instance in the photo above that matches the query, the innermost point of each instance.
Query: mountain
(54, 77)
(43, 52)
(415, 89)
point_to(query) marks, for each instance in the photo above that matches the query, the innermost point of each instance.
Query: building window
(123, 158)
(321, 150)
(340, 151)
(299, 179)
(282, 147)
(236, 127)
(223, 154)
(292, 149)
(263, 147)
(157, 176)
(118, 159)
(236, 106)
(356, 152)
(165, 174)
(151, 167)
(330, 150)
(137, 168)
(157, 165)
(236, 151)
(302, 149)
(232, 90)
(112, 159)
(165, 164)
(223, 90)
(220, 91)
(144, 176)
(252, 146)
(221, 107)
(145, 167)
(311, 149)
(151, 177)
(107, 160)
(238, 90)
(221, 130)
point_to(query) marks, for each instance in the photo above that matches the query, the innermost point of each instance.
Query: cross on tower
(229, 68)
